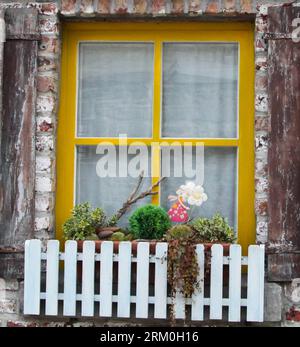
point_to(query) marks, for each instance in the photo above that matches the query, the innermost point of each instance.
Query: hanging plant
(183, 268)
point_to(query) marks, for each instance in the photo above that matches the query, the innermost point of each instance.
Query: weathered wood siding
(284, 149)
(17, 169)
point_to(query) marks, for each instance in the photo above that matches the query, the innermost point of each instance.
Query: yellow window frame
(157, 33)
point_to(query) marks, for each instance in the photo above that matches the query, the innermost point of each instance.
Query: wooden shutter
(284, 149)
(17, 137)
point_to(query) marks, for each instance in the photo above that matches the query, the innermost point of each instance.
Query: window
(172, 84)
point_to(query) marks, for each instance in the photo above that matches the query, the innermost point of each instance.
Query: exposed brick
(260, 43)
(158, 7)
(48, 25)
(19, 324)
(261, 207)
(263, 9)
(44, 202)
(86, 7)
(8, 306)
(261, 167)
(261, 185)
(261, 102)
(42, 223)
(261, 81)
(48, 8)
(230, 5)
(45, 103)
(44, 143)
(44, 124)
(43, 164)
(46, 84)
(195, 6)
(121, 6)
(292, 291)
(261, 142)
(44, 184)
(177, 6)
(46, 64)
(213, 6)
(261, 63)
(248, 6)
(11, 285)
(262, 123)
(261, 231)
(48, 45)
(293, 314)
(261, 23)
(103, 6)
(68, 7)
(140, 6)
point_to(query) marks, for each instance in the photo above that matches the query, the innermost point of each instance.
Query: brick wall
(48, 99)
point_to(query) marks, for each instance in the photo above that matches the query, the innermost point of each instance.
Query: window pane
(115, 89)
(200, 90)
(107, 192)
(220, 177)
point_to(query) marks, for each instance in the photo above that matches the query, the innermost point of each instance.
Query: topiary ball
(149, 222)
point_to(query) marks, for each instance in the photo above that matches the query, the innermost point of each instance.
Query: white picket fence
(253, 302)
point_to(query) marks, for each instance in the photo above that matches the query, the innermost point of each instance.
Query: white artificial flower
(192, 193)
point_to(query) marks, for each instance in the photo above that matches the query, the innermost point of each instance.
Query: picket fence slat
(255, 285)
(70, 276)
(106, 279)
(198, 296)
(160, 282)
(52, 278)
(88, 282)
(216, 282)
(235, 277)
(142, 280)
(124, 278)
(86, 260)
(32, 277)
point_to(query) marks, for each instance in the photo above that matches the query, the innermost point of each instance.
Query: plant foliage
(149, 222)
(83, 222)
(215, 229)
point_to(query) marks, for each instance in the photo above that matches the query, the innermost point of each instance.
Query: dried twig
(133, 198)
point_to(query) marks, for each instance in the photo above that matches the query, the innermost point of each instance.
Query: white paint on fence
(70, 274)
(160, 281)
(216, 282)
(255, 286)
(52, 278)
(124, 298)
(235, 276)
(88, 278)
(124, 279)
(198, 296)
(142, 280)
(106, 279)
(32, 272)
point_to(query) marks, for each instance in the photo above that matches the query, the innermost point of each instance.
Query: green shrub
(215, 229)
(83, 222)
(180, 231)
(149, 222)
